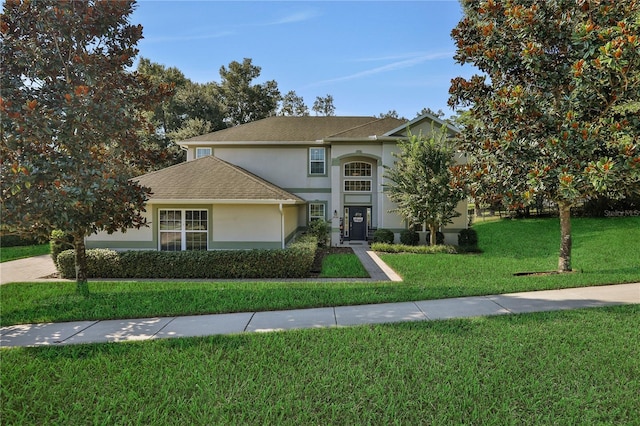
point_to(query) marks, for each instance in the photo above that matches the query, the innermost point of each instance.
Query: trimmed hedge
(292, 262)
(403, 248)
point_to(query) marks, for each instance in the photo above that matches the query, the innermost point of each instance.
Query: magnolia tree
(72, 116)
(424, 182)
(555, 111)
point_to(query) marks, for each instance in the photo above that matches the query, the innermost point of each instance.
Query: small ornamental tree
(555, 113)
(423, 181)
(72, 115)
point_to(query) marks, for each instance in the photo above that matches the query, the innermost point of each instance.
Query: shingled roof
(210, 178)
(299, 129)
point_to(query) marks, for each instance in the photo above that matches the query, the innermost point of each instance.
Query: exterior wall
(133, 239)
(229, 226)
(282, 165)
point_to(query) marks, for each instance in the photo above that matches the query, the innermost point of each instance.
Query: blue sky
(371, 56)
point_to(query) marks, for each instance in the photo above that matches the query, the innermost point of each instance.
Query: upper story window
(317, 161)
(203, 152)
(357, 168)
(357, 186)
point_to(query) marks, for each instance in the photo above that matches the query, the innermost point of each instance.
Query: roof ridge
(368, 123)
(373, 120)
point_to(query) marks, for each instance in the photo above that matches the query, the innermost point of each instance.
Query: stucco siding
(286, 167)
(260, 223)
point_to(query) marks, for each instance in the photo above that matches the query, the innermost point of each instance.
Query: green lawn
(605, 252)
(343, 265)
(572, 367)
(20, 252)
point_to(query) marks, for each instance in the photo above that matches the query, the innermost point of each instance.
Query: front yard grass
(605, 252)
(342, 265)
(20, 252)
(570, 367)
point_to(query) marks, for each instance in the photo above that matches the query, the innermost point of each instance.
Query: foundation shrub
(59, 242)
(439, 238)
(468, 240)
(101, 263)
(383, 236)
(292, 262)
(409, 237)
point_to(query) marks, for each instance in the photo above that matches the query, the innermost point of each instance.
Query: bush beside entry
(383, 236)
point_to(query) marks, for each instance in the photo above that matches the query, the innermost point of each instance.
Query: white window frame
(351, 174)
(313, 160)
(318, 217)
(344, 187)
(183, 231)
(203, 152)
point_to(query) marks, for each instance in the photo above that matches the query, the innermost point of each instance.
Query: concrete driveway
(28, 269)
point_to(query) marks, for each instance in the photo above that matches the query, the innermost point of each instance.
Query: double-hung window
(183, 230)
(203, 152)
(317, 161)
(317, 211)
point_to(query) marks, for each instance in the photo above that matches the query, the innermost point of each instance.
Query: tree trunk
(433, 238)
(82, 286)
(564, 261)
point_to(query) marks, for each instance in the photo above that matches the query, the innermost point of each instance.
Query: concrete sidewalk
(340, 316)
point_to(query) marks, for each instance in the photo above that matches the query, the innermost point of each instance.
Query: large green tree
(556, 103)
(423, 181)
(242, 100)
(71, 116)
(293, 105)
(323, 105)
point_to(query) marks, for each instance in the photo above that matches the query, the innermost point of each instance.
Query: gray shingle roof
(210, 178)
(300, 129)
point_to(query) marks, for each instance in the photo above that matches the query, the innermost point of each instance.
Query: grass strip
(21, 252)
(605, 252)
(342, 265)
(571, 367)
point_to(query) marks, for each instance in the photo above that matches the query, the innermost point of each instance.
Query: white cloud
(410, 61)
(295, 17)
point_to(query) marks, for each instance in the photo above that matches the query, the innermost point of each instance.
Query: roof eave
(194, 201)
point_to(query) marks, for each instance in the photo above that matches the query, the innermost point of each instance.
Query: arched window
(357, 169)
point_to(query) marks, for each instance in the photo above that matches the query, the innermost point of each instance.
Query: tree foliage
(555, 113)
(293, 105)
(243, 101)
(324, 106)
(423, 181)
(71, 120)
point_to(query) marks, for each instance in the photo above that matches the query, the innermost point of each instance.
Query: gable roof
(210, 178)
(298, 129)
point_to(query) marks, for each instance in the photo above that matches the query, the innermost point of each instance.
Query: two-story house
(258, 184)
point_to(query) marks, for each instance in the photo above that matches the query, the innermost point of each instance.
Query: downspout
(281, 224)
